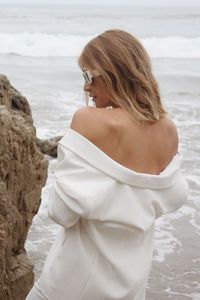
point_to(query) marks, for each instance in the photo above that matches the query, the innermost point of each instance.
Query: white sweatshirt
(107, 212)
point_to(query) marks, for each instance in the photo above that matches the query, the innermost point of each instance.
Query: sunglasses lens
(87, 76)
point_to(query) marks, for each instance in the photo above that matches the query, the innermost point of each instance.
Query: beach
(39, 51)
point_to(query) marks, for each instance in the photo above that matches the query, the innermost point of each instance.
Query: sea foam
(55, 45)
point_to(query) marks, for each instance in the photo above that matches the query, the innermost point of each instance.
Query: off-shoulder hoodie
(107, 212)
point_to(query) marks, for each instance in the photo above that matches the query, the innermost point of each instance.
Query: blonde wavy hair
(125, 69)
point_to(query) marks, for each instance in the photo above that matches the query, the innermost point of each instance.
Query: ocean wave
(55, 45)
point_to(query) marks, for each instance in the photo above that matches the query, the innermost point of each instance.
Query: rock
(23, 173)
(49, 146)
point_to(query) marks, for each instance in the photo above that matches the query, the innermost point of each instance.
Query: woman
(119, 170)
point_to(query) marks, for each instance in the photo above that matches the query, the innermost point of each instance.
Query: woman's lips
(93, 97)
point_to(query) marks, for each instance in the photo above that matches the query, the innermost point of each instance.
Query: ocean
(39, 47)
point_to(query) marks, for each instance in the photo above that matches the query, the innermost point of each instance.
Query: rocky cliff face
(23, 172)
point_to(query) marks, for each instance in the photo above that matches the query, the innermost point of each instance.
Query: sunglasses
(88, 77)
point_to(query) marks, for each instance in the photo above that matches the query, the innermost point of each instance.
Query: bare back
(146, 148)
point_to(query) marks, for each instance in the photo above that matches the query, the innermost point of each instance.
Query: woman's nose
(87, 87)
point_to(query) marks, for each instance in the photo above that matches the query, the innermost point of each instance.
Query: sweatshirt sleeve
(58, 210)
(171, 199)
(67, 200)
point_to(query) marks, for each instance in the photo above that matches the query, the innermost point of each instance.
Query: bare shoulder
(170, 133)
(169, 126)
(90, 122)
